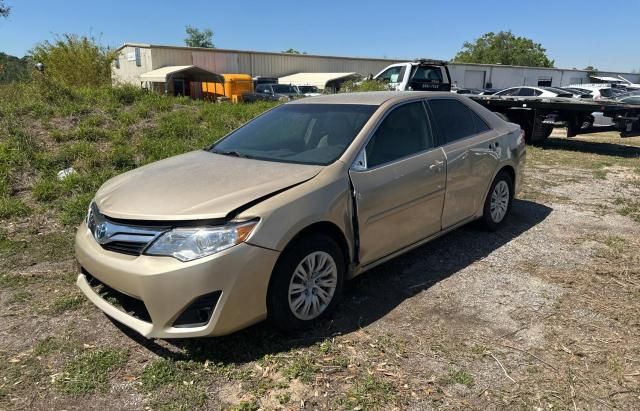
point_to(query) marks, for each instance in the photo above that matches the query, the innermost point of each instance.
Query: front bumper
(167, 286)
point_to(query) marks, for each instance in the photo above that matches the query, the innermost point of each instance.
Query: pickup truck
(271, 92)
(418, 75)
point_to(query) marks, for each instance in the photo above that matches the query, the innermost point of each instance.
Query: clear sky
(576, 33)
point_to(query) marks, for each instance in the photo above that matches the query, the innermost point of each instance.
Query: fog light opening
(199, 312)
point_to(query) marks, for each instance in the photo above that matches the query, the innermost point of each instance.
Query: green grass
(66, 303)
(89, 372)
(369, 392)
(163, 372)
(301, 367)
(100, 132)
(461, 377)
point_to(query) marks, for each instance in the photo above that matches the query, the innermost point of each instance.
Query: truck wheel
(306, 283)
(498, 202)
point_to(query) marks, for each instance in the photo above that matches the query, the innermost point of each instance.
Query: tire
(282, 298)
(492, 221)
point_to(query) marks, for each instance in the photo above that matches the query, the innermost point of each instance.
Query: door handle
(436, 165)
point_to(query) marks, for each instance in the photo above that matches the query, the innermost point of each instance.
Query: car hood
(197, 185)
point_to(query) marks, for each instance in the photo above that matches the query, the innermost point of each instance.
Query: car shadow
(366, 299)
(590, 147)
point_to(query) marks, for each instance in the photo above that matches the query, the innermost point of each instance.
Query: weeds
(90, 371)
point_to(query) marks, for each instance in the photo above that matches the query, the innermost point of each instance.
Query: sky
(576, 33)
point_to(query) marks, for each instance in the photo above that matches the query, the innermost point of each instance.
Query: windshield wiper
(229, 153)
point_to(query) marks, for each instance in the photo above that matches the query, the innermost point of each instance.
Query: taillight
(521, 138)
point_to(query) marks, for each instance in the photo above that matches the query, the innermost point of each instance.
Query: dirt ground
(544, 314)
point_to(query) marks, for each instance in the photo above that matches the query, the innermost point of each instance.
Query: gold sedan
(271, 220)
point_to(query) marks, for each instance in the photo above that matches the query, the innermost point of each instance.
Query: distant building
(172, 69)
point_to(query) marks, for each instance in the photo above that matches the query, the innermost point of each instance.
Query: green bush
(75, 60)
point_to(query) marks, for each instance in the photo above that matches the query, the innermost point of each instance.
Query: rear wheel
(498, 202)
(306, 282)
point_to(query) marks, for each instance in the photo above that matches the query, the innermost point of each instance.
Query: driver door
(399, 183)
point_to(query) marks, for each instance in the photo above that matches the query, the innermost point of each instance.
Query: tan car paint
(402, 217)
(195, 186)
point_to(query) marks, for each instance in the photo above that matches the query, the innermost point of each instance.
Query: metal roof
(319, 80)
(193, 72)
(213, 50)
(607, 78)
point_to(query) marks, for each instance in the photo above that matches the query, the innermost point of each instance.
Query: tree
(591, 71)
(293, 51)
(199, 38)
(4, 9)
(13, 68)
(504, 48)
(75, 60)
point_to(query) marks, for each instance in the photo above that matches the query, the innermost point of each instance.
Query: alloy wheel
(499, 201)
(313, 285)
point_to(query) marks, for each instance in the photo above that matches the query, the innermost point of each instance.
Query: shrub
(75, 60)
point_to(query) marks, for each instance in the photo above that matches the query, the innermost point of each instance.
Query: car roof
(371, 98)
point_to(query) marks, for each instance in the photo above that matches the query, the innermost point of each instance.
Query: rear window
(431, 74)
(455, 120)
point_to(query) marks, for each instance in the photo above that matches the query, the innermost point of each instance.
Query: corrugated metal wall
(279, 65)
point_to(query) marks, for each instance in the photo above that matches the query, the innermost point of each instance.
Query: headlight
(187, 244)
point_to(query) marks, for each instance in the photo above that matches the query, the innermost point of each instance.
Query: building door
(474, 79)
(178, 87)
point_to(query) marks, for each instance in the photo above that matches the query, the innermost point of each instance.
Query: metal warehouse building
(140, 64)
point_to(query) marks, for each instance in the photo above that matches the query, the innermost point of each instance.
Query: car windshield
(283, 88)
(308, 89)
(298, 133)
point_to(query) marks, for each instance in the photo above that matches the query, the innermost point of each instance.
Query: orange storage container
(234, 85)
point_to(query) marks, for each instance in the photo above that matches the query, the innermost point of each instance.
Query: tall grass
(100, 132)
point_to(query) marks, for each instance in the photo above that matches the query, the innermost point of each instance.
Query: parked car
(462, 90)
(578, 93)
(600, 91)
(418, 75)
(530, 91)
(272, 92)
(308, 91)
(629, 98)
(489, 91)
(271, 220)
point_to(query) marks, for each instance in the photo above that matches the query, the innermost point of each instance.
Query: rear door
(472, 155)
(399, 183)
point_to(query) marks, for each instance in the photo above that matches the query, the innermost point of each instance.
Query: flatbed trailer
(537, 116)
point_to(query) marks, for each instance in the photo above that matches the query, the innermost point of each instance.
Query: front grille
(118, 236)
(123, 302)
(125, 247)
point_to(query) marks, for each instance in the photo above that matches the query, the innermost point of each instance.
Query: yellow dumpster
(233, 88)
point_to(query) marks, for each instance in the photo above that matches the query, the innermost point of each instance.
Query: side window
(455, 120)
(403, 132)
(526, 92)
(508, 92)
(393, 74)
(479, 123)
(261, 88)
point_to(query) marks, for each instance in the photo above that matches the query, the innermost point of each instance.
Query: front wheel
(498, 202)
(306, 283)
